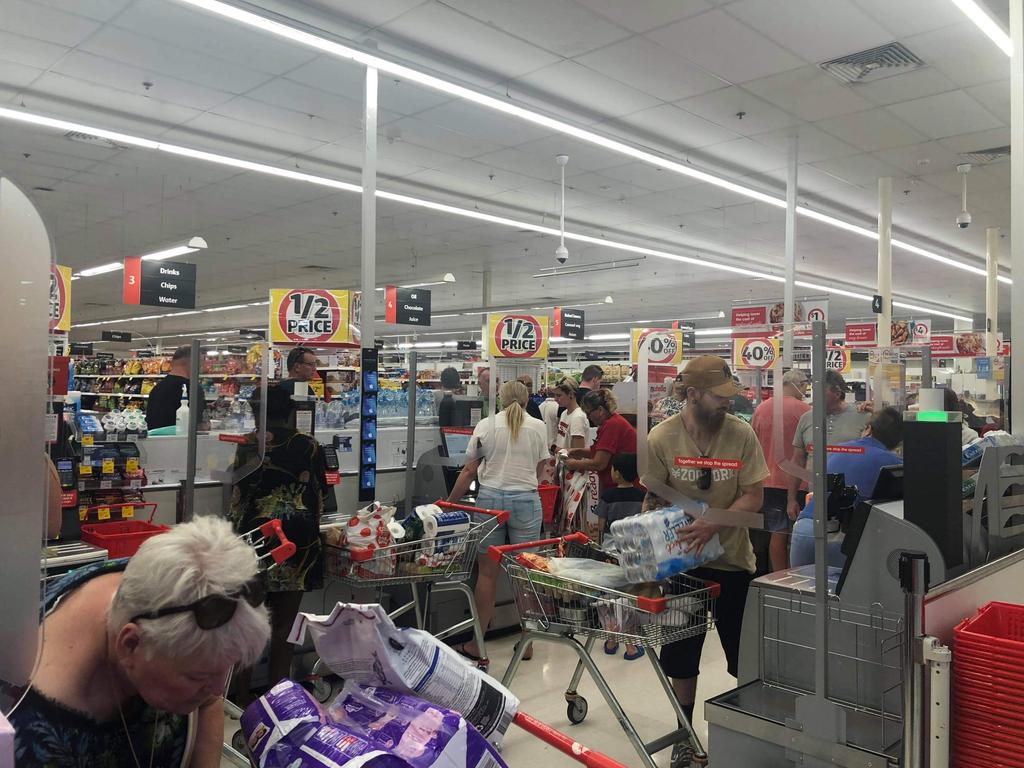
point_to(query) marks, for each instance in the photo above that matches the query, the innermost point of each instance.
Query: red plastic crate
(973, 756)
(998, 625)
(121, 538)
(1008, 673)
(995, 735)
(548, 497)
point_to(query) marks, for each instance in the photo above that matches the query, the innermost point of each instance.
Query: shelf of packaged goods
(120, 375)
(112, 394)
(229, 375)
(337, 368)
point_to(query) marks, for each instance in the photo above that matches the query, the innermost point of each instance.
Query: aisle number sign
(518, 336)
(754, 354)
(664, 345)
(60, 298)
(837, 359)
(309, 316)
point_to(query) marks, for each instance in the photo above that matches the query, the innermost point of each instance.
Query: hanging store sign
(406, 306)
(968, 344)
(861, 334)
(838, 359)
(80, 349)
(60, 298)
(519, 336)
(310, 316)
(118, 336)
(159, 283)
(754, 354)
(569, 323)
(664, 345)
(465, 346)
(922, 331)
(767, 319)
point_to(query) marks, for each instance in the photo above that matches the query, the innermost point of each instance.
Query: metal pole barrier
(189, 490)
(926, 368)
(819, 484)
(410, 434)
(913, 571)
(788, 302)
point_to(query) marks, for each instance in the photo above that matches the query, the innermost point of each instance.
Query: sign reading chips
(309, 316)
(520, 336)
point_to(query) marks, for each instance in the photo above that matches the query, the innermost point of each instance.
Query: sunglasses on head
(213, 611)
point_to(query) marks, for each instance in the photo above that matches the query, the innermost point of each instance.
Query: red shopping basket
(121, 538)
(548, 497)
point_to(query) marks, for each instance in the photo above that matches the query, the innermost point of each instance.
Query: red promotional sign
(390, 304)
(333, 478)
(69, 498)
(706, 462)
(861, 334)
(855, 449)
(750, 315)
(132, 287)
(965, 344)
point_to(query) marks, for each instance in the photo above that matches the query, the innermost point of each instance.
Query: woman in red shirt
(614, 435)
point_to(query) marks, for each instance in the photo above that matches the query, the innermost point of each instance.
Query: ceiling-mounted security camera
(561, 252)
(963, 219)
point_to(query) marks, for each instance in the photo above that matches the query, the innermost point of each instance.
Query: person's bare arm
(793, 485)
(466, 476)
(209, 735)
(700, 531)
(53, 505)
(578, 443)
(596, 464)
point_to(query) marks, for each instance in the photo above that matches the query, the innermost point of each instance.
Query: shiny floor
(540, 684)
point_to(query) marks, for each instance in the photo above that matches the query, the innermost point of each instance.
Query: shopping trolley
(560, 610)
(443, 564)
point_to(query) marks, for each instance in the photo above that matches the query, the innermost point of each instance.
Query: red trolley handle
(285, 549)
(495, 552)
(501, 514)
(564, 744)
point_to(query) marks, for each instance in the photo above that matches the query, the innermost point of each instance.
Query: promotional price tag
(837, 359)
(128, 512)
(106, 485)
(333, 478)
(135, 484)
(83, 513)
(85, 469)
(103, 513)
(87, 440)
(131, 465)
(514, 335)
(309, 316)
(754, 353)
(108, 466)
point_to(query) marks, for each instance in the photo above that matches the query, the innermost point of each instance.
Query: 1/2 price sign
(309, 316)
(837, 359)
(520, 336)
(60, 298)
(664, 345)
(754, 354)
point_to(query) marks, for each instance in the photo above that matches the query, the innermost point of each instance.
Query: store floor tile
(541, 682)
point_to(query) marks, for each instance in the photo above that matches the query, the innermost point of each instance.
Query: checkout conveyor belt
(59, 557)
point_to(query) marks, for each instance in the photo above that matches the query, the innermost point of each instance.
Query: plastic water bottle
(651, 549)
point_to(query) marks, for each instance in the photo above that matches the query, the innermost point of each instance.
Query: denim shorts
(524, 516)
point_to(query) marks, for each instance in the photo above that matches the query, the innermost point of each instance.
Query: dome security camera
(963, 219)
(561, 254)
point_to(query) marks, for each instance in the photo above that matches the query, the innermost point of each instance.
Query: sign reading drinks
(310, 316)
(159, 283)
(517, 335)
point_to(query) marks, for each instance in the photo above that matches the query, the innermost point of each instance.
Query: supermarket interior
(414, 374)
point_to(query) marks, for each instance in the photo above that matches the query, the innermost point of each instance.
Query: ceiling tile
(560, 26)
(651, 68)
(413, 130)
(27, 51)
(945, 114)
(366, 14)
(808, 93)
(700, 38)
(473, 120)
(858, 170)
(911, 17)
(871, 130)
(644, 15)
(917, 159)
(439, 28)
(582, 156)
(313, 129)
(910, 85)
(972, 142)
(649, 177)
(344, 114)
(15, 78)
(963, 53)
(725, 105)
(669, 127)
(747, 154)
(573, 88)
(817, 30)
(239, 138)
(995, 97)
(43, 23)
(813, 144)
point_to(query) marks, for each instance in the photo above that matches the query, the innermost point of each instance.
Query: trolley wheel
(238, 742)
(576, 711)
(320, 688)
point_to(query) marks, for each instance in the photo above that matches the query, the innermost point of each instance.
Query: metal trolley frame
(559, 610)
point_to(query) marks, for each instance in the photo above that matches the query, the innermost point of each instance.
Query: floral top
(48, 734)
(288, 486)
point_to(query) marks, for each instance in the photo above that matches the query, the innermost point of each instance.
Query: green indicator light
(932, 416)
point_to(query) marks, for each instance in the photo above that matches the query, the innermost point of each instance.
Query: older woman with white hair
(136, 654)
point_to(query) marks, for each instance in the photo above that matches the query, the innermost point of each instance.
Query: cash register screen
(455, 443)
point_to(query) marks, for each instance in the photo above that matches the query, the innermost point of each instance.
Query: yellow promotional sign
(664, 345)
(837, 359)
(311, 316)
(517, 336)
(754, 354)
(60, 298)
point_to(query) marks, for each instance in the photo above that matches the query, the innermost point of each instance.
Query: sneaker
(682, 756)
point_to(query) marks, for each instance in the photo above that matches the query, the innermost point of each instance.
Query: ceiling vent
(987, 156)
(873, 64)
(96, 141)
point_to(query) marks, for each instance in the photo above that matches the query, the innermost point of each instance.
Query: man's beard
(709, 418)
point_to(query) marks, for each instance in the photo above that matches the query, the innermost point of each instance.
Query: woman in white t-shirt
(505, 455)
(573, 425)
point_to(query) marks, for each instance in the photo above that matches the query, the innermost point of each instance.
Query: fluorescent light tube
(986, 24)
(102, 269)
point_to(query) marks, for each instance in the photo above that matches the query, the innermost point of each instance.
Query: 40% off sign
(754, 353)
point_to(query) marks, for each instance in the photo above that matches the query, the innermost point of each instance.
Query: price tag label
(85, 469)
(83, 513)
(135, 484)
(108, 466)
(87, 440)
(128, 512)
(131, 465)
(106, 485)
(103, 513)
(81, 485)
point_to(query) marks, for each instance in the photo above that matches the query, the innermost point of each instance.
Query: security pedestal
(931, 482)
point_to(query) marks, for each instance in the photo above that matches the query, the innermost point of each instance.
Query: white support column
(791, 182)
(991, 290)
(485, 298)
(1017, 214)
(369, 224)
(885, 260)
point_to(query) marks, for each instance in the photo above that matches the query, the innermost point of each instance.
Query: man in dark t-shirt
(165, 397)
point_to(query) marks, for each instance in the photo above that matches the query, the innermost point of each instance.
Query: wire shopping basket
(662, 613)
(447, 557)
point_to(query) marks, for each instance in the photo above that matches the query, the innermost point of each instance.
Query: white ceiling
(674, 77)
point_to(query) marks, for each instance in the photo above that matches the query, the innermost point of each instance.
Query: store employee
(301, 367)
(165, 397)
(677, 454)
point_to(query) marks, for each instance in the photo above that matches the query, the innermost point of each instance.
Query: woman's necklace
(152, 746)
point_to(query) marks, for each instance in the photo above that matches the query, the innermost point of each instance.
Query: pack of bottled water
(650, 546)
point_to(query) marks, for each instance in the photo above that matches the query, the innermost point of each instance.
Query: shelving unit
(111, 394)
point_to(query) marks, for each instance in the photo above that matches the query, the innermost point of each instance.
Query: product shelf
(111, 394)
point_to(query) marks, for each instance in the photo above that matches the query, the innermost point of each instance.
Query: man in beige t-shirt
(707, 454)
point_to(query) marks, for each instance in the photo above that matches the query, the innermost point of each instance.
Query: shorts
(776, 500)
(525, 516)
(681, 660)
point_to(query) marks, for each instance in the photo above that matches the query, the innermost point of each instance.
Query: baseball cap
(710, 372)
(796, 376)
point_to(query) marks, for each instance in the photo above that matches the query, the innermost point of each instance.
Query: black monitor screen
(889, 486)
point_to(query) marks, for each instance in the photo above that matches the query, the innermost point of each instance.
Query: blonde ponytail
(515, 395)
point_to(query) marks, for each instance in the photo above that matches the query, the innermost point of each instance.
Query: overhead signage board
(60, 298)
(310, 316)
(406, 306)
(766, 319)
(838, 359)
(664, 345)
(966, 344)
(83, 349)
(569, 323)
(159, 283)
(465, 346)
(861, 334)
(754, 353)
(517, 335)
(119, 336)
